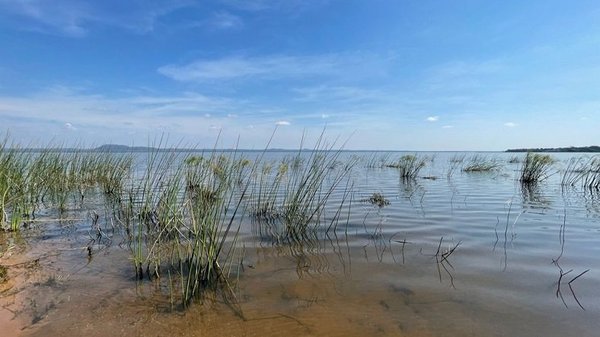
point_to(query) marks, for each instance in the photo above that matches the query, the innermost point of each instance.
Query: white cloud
(432, 118)
(74, 17)
(337, 93)
(458, 76)
(510, 124)
(99, 119)
(184, 114)
(225, 20)
(277, 67)
(282, 5)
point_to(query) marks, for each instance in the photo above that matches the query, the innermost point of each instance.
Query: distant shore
(593, 148)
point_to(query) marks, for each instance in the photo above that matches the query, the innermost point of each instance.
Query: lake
(449, 253)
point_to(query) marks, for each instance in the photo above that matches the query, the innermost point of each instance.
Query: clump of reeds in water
(180, 214)
(454, 163)
(479, 163)
(53, 178)
(582, 171)
(12, 177)
(377, 199)
(535, 168)
(288, 200)
(409, 166)
(377, 160)
(180, 219)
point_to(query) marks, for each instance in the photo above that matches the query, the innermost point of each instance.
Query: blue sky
(387, 75)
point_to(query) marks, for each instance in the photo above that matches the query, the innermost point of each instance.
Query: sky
(370, 74)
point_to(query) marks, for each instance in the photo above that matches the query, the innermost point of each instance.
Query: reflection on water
(462, 255)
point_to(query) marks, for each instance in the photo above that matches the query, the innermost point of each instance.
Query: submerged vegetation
(179, 213)
(479, 163)
(584, 171)
(409, 166)
(378, 200)
(31, 181)
(535, 168)
(287, 200)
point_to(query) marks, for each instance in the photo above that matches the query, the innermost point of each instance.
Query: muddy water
(387, 271)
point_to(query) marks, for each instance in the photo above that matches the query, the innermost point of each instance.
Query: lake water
(461, 254)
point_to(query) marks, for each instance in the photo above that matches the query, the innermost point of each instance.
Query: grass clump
(479, 163)
(179, 214)
(377, 160)
(582, 171)
(377, 199)
(409, 166)
(179, 218)
(454, 163)
(288, 201)
(535, 168)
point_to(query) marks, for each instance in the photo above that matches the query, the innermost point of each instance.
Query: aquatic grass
(377, 199)
(515, 160)
(267, 189)
(583, 171)
(591, 179)
(377, 160)
(288, 203)
(535, 168)
(13, 176)
(454, 163)
(575, 171)
(179, 217)
(409, 166)
(479, 163)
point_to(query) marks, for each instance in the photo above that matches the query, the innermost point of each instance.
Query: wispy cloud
(338, 93)
(66, 108)
(462, 75)
(276, 67)
(74, 17)
(432, 118)
(225, 20)
(265, 5)
(282, 123)
(447, 126)
(510, 124)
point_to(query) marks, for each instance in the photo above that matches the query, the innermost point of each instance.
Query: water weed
(535, 168)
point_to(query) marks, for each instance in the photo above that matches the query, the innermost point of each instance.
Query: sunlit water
(465, 254)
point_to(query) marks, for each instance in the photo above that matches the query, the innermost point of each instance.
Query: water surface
(461, 254)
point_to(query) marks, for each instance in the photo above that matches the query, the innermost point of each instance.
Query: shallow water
(377, 274)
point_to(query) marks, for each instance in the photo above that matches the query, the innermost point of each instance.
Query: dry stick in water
(573, 292)
(558, 291)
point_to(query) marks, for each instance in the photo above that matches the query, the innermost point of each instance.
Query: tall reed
(480, 163)
(582, 171)
(409, 166)
(535, 168)
(289, 202)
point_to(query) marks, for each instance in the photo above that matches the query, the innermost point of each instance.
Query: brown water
(377, 275)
